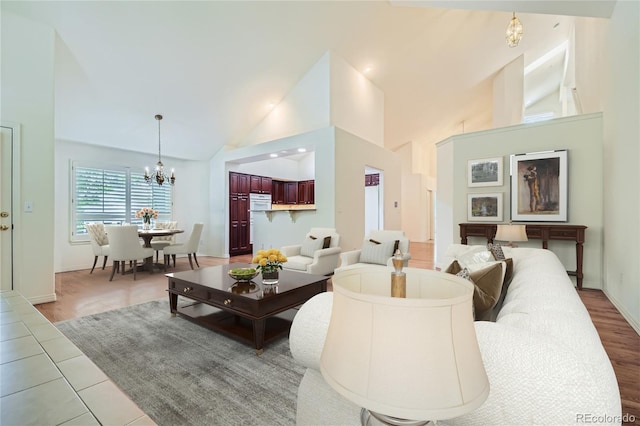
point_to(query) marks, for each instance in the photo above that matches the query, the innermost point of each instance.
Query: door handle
(4, 214)
(3, 227)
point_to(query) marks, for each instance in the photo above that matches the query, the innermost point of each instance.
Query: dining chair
(189, 248)
(159, 243)
(125, 246)
(99, 242)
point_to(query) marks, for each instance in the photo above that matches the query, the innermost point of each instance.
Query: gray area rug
(180, 373)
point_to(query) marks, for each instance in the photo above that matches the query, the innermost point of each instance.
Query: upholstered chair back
(97, 235)
(325, 232)
(166, 225)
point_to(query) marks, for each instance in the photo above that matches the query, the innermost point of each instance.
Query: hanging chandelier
(514, 32)
(158, 175)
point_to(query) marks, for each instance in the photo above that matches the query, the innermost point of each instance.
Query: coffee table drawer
(223, 300)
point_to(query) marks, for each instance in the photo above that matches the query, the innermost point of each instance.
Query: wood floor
(80, 293)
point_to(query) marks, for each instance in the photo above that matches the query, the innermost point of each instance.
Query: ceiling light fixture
(158, 174)
(273, 155)
(514, 31)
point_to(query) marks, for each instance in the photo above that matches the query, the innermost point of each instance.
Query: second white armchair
(377, 250)
(318, 254)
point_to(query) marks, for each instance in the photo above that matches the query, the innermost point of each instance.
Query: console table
(539, 232)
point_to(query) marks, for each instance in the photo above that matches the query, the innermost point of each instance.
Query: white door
(7, 138)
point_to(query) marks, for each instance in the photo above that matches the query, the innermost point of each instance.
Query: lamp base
(365, 419)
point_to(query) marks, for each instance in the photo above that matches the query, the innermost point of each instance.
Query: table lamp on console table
(405, 360)
(511, 233)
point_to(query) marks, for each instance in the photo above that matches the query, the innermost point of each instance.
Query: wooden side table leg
(173, 304)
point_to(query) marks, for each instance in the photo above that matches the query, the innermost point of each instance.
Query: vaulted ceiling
(212, 67)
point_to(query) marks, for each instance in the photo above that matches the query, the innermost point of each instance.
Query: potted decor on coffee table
(269, 263)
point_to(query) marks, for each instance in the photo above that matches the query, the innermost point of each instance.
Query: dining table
(147, 235)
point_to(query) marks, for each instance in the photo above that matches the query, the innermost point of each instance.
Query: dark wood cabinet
(372, 179)
(239, 186)
(277, 192)
(306, 192)
(260, 184)
(291, 193)
(239, 183)
(239, 225)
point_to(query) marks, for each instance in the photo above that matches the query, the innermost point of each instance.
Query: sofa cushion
(496, 251)
(477, 255)
(377, 252)
(310, 245)
(487, 282)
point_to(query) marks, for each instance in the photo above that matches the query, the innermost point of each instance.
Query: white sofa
(310, 256)
(543, 356)
(383, 237)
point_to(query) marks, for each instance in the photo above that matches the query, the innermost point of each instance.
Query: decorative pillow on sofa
(377, 252)
(487, 286)
(310, 245)
(496, 251)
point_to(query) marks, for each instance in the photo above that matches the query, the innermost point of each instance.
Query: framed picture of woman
(539, 187)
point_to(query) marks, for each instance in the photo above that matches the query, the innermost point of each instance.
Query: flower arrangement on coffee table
(269, 262)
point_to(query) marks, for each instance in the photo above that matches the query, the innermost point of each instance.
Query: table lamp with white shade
(404, 360)
(511, 233)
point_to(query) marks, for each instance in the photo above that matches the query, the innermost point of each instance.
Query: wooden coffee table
(241, 310)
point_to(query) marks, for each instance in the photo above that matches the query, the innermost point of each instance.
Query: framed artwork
(539, 186)
(485, 207)
(485, 172)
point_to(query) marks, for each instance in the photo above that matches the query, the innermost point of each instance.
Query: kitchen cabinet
(291, 193)
(277, 192)
(306, 192)
(239, 225)
(239, 183)
(372, 180)
(260, 184)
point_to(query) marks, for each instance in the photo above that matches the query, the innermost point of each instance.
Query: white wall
(305, 108)
(581, 135)
(357, 105)
(508, 94)
(27, 98)
(352, 155)
(590, 59)
(189, 204)
(622, 161)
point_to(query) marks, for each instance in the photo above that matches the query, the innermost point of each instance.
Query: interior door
(6, 207)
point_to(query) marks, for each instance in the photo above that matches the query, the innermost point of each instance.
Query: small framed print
(484, 207)
(539, 187)
(484, 172)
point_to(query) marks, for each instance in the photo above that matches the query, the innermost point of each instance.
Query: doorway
(373, 200)
(9, 163)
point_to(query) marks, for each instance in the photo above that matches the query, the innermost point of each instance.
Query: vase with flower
(269, 263)
(146, 214)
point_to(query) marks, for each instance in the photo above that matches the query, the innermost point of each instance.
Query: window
(112, 195)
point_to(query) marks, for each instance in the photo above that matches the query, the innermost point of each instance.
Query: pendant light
(158, 174)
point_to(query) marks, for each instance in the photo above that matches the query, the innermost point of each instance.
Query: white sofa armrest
(309, 330)
(325, 261)
(349, 257)
(293, 250)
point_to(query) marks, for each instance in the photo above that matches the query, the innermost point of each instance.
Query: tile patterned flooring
(46, 380)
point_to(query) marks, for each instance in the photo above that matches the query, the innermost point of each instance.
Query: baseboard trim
(625, 314)
(42, 299)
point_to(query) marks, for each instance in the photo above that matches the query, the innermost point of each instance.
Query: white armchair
(190, 247)
(377, 249)
(318, 254)
(99, 242)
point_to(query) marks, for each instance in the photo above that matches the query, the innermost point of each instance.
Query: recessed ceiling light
(302, 150)
(273, 155)
(271, 105)
(367, 70)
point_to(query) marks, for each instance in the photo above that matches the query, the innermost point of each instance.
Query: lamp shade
(511, 233)
(414, 358)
